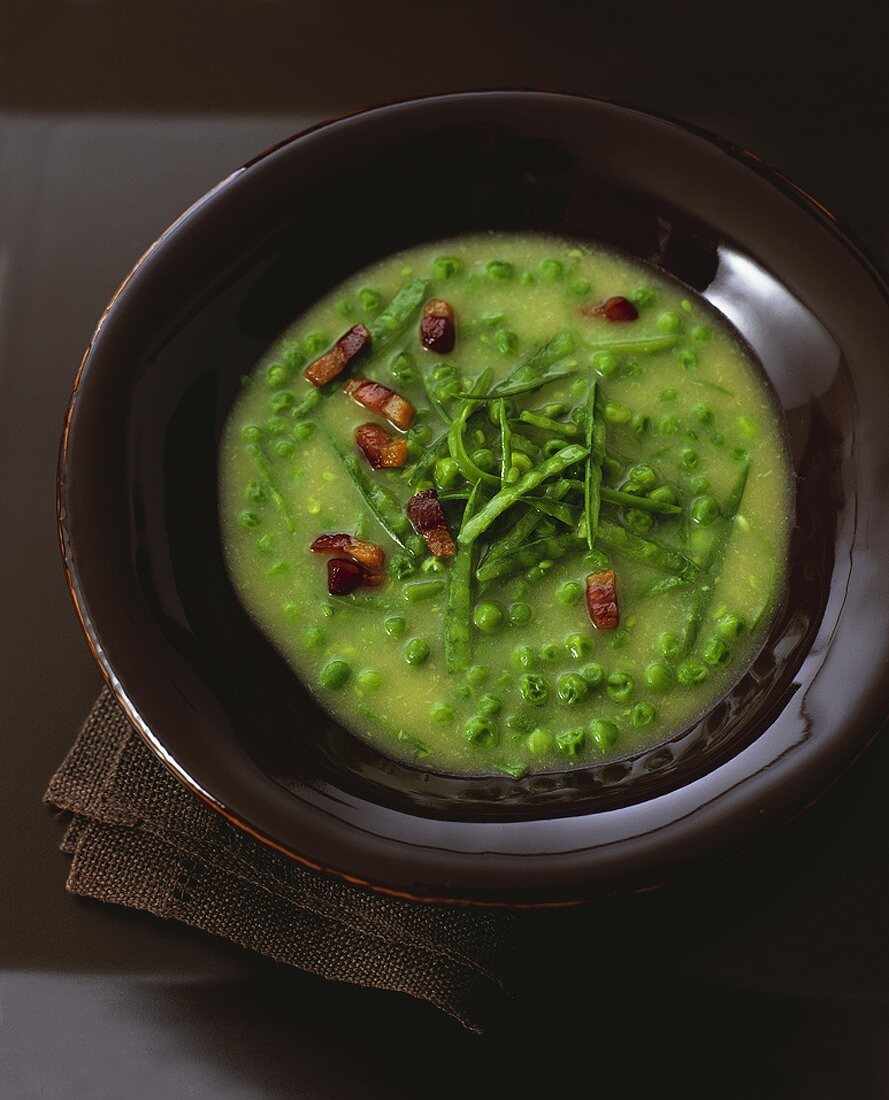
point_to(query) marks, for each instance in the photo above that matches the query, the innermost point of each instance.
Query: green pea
(276, 425)
(569, 593)
(668, 645)
(701, 334)
(603, 732)
(668, 425)
(442, 713)
(730, 626)
(705, 511)
(334, 675)
(315, 342)
(248, 520)
(447, 473)
(570, 742)
(520, 723)
(643, 715)
(314, 638)
(664, 494)
(368, 680)
(740, 454)
(668, 395)
(283, 448)
(573, 689)
(293, 358)
(484, 458)
(534, 689)
(699, 484)
(539, 742)
(611, 469)
(489, 705)
(620, 686)
(594, 674)
(643, 296)
(670, 322)
(401, 566)
(518, 589)
(581, 287)
(703, 414)
(687, 359)
(371, 300)
(446, 267)
(477, 674)
(417, 651)
(550, 653)
(304, 430)
(550, 270)
(345, 308)
(717, 439)
(291, 612)
(499, 271)
(691, 672)
(606, 363)
(524, 656)
(643, 475)
(618, 639)
(639, 522)
(716, 653)
(395, 627)
(689, 459)
(255, 493)
(658, 676)
(640, 423)
(252, 433)
(276, 376)
(481, 731)
(615, 413)
(488, 617)
(746, 427)
(519, 614)
(578, 646)
(505, 341)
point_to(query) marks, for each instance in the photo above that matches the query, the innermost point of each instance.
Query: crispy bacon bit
(368, 554)
(350, 346)
(613, 309)
(344, 576)
(380, 399)
(426, 514)
(438, 329)
(601, 600)
(381, 450)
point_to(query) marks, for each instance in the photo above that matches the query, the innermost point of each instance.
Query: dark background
(766, 977)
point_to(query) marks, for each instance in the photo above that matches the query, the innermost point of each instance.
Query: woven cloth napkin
(138, 837)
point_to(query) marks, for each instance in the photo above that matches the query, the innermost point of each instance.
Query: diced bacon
(380, 399)
(427, 515)
(344, 576)
(438, 327)
(613, 309)
(350, 346)
(601, 600)
(366, 553)
(381, 450)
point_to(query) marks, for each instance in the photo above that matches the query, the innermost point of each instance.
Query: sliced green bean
(527, 556)
(645, 504)
(309, 403)
(515, 537)
(645, 345)
(562, 428)
(514, 389)
(386, 327)
(564, 513)
(533, 370)
(433, 452)
(592, 471)
(499, 503)
(666, 584)
(262, 464)
(434, 400)
(505, 442)
(458, 601)
(423, 590)
(457, 445)
(652, 553)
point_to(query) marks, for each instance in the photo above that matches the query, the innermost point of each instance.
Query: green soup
(647, 420)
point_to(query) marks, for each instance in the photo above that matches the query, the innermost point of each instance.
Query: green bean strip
(429, 388)
(457, 445)
(458, 605)
(390, 514)
(527, 556)
(423, 590)
(386, 327)
(565, 429)
(528, 386)
(592, 472)
(564, 513)
(652, 553)
(397, 732)
(357, 602)
(536, 367)
(666, 584)
(308, 404)
(630, 500)
(505, 442)
(515, 537)
(498, 504)
(265, 470)
(431, 456)
(647, 345)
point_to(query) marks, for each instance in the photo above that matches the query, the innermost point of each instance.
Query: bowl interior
(139, 488)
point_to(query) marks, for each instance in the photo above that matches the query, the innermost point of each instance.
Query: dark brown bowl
(138, 505)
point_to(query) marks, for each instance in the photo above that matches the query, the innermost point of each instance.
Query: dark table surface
(768, 976)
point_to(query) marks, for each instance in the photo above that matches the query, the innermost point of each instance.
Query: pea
(703, 414)
(594, 674)
(643, 475)
(276, 376)
(368, 680)
(643, 296)
(534, 689)
(550, 270)
(395, 627)
(519, 589)
(705, 511)
(668, 425)
(291, 612)
(506, 341)
(266, 544)
(664, 494)
(618, 639)
(580, 287)
(668, 395)
(668, 645)
(334, 675)
(606, 363)
(488, 617)
(701, 334)
(489, 705)
(573, 689)
(499, 271)
(716, 653)
(276, 425)
(481, 731)
(730, 626)
(639, 522)
(401, 567)
(717, 439)
(417, 651)
(442, 713)
(689, 459)
(520, 723)
(293, 358)
(484, 458)
(640, 423)
(521, 462)
(569, 593)
(402, 368)
(643, 715)
(304, 430)
(550, 653)
(687, 359)
(699, 484)
(519, 614)
(539, 742)
(670, 322)
(746, 427)
(283, 448)
(252, 433)
(658, 676)
(446, 267)
(603, 732)
(691, 672)
(611, 469)
(248, 519)
(524, 656)
(578, 646)
(570, 742)
(620, 686)
(315, 638)
(315, 342)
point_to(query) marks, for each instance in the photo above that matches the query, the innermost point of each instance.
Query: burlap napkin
(138, 837)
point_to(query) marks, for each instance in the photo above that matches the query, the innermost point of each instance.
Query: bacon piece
(344, 576)
(380, 399)
(613, 309)
(438, 328)
(427, 515)
(381, 450)
(366, 553)
(601, 600)
(350, 346)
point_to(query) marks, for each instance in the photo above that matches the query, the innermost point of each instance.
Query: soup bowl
(138, 503)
